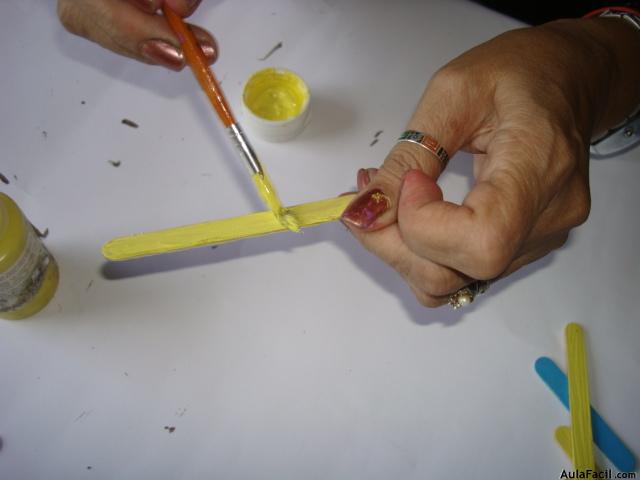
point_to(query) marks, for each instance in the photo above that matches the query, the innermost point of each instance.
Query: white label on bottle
(23, 279)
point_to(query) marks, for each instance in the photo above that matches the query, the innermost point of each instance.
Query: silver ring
(467, 294)
(428, 142)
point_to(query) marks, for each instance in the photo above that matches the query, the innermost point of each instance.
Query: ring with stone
(467, 294)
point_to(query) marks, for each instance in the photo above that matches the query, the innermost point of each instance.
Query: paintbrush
(197, 61)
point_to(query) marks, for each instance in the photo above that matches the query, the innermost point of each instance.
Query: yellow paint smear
(579, 401)
(270, 198)
(221, 231)
(275, 94)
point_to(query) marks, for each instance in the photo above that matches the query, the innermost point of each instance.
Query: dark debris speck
(170, 429)
(115, 163)
(275, 48)
(129, 123)
(43, 234)
(4, 179)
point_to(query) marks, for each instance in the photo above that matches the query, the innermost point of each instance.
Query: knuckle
(581, 204)
(64, 13)
(490, 254)
(425, 299)
(450, 77)
(68, 15)
(436, 281)
(400, 265)
(399, 161)
(562, 241)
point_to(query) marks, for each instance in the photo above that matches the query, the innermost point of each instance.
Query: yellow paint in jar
(28, 272)
(275, 94)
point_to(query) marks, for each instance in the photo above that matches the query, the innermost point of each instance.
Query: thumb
(417, 190)
(376, 206)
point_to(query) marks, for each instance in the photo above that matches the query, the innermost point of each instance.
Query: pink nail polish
(162, 53)
(146, 5)
(209, 50)
(363, 178)
(207, 43)
(365, 210)
(192, 5)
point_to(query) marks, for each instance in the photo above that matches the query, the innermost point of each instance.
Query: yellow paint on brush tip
(270, 198)
(222, 231)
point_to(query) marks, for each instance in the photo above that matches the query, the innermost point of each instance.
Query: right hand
(134, 28)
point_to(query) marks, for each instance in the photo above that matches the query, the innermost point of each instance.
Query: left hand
(528, 119)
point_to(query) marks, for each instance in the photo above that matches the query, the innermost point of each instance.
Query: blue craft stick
(603, 436)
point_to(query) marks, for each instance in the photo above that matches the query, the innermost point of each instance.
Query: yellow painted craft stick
(221, 231)
(579, 402)
(563, 437)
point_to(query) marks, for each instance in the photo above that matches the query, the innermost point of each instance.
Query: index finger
(184, 8)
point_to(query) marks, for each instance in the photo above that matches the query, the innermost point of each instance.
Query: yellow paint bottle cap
(276, 104)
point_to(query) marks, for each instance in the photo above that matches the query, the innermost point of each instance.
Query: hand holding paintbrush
(197, 61)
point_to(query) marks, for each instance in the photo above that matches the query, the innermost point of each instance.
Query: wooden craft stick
(221, 231)
(579, 403)
(562, 435)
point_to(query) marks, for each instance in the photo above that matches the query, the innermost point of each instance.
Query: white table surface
(290, 356)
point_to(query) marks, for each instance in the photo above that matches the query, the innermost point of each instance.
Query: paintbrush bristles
(271, 200)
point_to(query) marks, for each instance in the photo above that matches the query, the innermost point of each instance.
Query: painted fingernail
(364, 211)
(162, 53)
(207, 43)
(363, 178)
(192, 5)
(146, 5)
(210, 51)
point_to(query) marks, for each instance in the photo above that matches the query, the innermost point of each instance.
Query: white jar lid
(276, 104)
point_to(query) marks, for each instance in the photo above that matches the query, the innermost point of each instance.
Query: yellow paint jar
(28, 272)
(276, 104)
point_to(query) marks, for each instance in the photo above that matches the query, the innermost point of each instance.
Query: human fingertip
(192, 5)
(210, 51)
(362, 178)
(207, 43)
(418, 188)
(183, 8)
(145, 5)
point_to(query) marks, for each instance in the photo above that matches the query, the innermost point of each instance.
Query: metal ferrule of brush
(244, 147)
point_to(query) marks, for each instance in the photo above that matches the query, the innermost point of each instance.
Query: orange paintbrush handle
(198, 63)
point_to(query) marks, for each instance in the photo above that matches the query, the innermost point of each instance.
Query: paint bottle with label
(28, 272)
